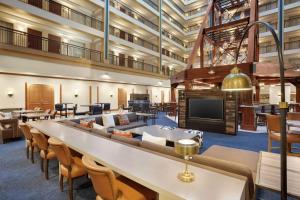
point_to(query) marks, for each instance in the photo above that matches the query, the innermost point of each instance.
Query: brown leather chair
(71, 167)
(108, 187)
(45, 153)
(273, 128)
(30, 142)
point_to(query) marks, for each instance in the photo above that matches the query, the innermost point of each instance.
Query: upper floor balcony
(290, 45)
(273, 5)
(36, 43)
(295, 21)
(66, 12)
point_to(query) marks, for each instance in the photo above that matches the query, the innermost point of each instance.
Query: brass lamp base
(186, 176)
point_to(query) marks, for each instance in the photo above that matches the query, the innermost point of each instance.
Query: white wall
(275, 94)
(16, 84)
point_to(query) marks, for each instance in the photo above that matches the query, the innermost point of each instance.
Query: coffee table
(171, 135)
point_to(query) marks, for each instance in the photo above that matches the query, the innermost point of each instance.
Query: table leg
(66, 107)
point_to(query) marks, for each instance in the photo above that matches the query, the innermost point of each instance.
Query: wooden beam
(90, 94)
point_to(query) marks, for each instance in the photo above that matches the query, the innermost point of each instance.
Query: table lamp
(186, 148)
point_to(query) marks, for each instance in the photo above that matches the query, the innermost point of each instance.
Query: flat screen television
(207, 108)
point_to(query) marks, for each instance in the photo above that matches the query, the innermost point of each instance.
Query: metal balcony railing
(196, 11)
(22, 39)
(274, 4)
(66, 12)
(287, 46)
(287, 23)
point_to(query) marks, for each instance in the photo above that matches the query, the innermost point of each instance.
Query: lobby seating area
(229, 159)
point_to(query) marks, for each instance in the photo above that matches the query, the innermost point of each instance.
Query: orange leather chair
(71, 167)
(30, 142)
(45, 153)
(273, 128)
(293, 116)
(108, 187)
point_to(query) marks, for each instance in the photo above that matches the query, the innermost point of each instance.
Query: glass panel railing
(287, 46)
(66, 12)
(292, 45)
(196, 11)
(287, 23)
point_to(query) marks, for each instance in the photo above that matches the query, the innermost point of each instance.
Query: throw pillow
(99, 127)
(157, 140)
(123, 120)
(127, 134)
(108, 121)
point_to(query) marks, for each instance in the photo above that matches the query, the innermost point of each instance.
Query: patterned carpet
(21, 180)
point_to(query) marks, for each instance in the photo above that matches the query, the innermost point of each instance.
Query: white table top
(171, 135)
(268, 172)
(153, 171)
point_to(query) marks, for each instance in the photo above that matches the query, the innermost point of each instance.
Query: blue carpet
(19, 179)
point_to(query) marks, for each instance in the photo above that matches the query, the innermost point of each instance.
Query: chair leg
(70, 185)
(269, 145)
(32, 153)
(61, 182)
(289, 148)
(27, 151)
(46, 169)
(42, 164)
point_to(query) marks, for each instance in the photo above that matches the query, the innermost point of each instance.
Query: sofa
(230, 161)
(9, 128)
(133, 122)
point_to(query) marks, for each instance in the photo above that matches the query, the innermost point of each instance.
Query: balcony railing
(22, 39)
(66, 12)
(287, 46)
(274, 4)
(133, 39)
(196, 11)
(132, 13)
(287, 23)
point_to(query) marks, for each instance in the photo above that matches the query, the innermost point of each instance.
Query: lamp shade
(236, 81)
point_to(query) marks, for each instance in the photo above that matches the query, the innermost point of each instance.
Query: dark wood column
(297, 97)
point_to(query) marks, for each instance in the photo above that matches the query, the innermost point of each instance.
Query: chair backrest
(106, 106)
(273, 123)
(293, 115)
(58, 107)
(40, 139)
(26, 131)
(103, 179)
(62, 152)
(96, 110)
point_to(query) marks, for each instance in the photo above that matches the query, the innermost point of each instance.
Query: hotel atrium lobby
(149, 99)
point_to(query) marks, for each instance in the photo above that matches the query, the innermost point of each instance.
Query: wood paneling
(36, 3)
(26, 94)
(122, 97)
(39, 95)
(34, 38)
(55, 7)
(54, 43)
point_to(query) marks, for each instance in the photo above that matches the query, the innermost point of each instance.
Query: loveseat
(132, 117)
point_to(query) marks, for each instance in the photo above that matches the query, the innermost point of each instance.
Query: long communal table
(151, 170)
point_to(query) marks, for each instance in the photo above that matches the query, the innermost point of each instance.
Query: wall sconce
(10, 93)
(76, 94)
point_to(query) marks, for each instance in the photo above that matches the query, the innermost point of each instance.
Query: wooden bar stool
(108, 187)
(70, 166)
(30, 142)
(46, 154)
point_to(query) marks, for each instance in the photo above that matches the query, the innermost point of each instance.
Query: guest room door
(39, 95)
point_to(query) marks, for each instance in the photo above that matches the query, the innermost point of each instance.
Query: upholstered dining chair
(30, 142)
(108, 187)
(70, 166)
(273, 128)
(46, 154)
